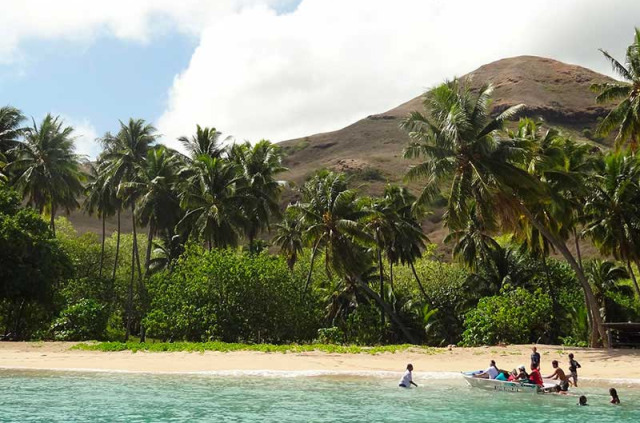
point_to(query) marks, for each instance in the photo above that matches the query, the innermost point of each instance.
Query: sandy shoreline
(596, 364)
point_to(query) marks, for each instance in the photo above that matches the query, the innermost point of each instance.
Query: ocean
(48, 396)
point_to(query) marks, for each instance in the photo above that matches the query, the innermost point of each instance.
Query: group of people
(534, 377)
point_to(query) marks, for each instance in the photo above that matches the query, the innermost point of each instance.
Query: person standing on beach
(407, 378)
(535, 358)
(573, 370)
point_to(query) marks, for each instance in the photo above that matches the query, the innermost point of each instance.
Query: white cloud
(85, 135)
(256, 74)
(83, 20)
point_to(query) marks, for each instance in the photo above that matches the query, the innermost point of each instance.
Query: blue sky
(105, 81)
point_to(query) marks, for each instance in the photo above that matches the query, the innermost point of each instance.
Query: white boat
(505, 386)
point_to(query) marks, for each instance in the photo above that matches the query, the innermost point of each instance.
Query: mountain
(370, 150)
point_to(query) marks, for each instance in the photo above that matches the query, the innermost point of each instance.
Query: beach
(597, 364)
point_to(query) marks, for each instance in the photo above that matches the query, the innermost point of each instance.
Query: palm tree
(605, 276)
(124, 158)
(289, 236)
(613, 210)
(212, 205)
(258, 165)
(158, 205)
(10, 128)
(100, 199)
(626, 115)
(47, 168)
(332, 222)
(458, 139)
(205, 141)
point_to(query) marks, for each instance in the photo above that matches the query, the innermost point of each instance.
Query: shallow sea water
(29, 396)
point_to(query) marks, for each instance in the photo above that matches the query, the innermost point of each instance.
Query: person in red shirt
(534, 376)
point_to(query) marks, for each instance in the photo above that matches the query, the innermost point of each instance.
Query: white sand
(596, 363)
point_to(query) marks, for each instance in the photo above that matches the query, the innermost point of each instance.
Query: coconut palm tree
(332, 222)
(124, 158)
(158, 205)
(48, 172)
(258, 166)
(612, 210)
(605, 276)
(289, 236)
(211, 202)
(626, 115)
(100, 199)
(10, 128)
(458, 139)
(205, 141)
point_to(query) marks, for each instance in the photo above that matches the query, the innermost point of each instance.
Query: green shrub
(230, 296)
(517, 316)
(85, 320)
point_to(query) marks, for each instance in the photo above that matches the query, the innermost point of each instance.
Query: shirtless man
(559, 375)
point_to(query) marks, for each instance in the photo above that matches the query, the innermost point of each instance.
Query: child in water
(407, 378)
(582, 400)
(614, 396)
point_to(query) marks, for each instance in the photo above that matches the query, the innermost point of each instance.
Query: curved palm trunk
(392, 315)
(115, 262)
(597, 330)
(578, 253)
(313, 259)
(633, 276)
(415, 275)
(102, 246)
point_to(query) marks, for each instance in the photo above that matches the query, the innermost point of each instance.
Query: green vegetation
(352, 270)
(229, 347)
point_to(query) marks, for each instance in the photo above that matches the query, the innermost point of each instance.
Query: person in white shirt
(492, 371)
(407, 378)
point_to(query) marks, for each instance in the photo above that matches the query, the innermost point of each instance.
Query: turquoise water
(27, 396)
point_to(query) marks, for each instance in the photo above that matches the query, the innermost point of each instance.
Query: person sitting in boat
(559, 375)
(492, 371)
(503, 375)
(513, 375)
(407, 378)
(534, 376)
(522, 374)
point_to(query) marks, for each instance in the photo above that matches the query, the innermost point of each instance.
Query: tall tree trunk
(52, 223)
(150, 235)
(415, 275)
(135, 239)
(380, 268)
(115, 262)
(130, 293)
(633, 276)
(313, 259)
(592, 305)
(554, 302)
(102, 246)
(392, 315)
(391, 274)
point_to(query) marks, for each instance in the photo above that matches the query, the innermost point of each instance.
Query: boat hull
(503, 386)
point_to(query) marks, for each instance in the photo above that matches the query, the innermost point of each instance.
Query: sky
(273, 69)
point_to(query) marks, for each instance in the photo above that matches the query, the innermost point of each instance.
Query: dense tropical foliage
(222, 260)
